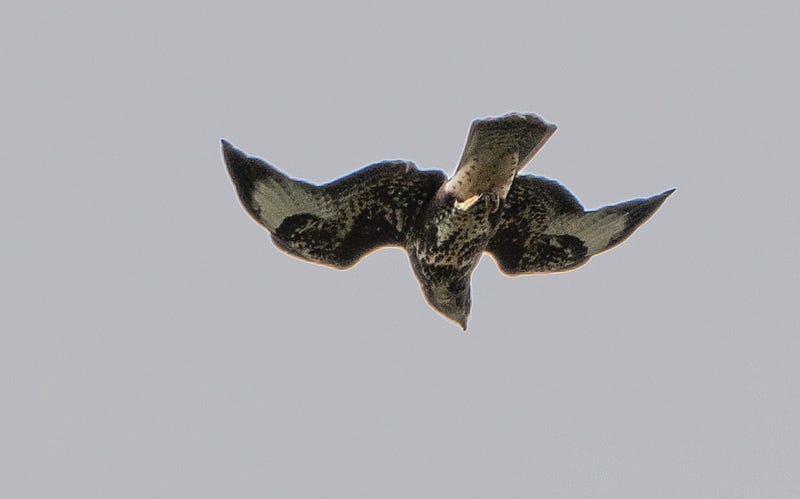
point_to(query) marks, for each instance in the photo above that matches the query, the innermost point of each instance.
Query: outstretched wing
(496, 149)
(544, 228)
(337, 223)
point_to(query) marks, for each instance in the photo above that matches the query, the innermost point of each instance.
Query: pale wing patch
(276, 200)
(595, 228)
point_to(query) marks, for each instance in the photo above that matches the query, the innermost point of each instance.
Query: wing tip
(243, 168)
(245, 171)
(638, 212)
(665, 194)
(653, 203)
(232, 154)
(237, 163)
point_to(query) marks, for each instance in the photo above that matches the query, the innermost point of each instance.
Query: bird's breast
(454, 236)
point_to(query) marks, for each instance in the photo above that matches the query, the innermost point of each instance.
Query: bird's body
(528, 224)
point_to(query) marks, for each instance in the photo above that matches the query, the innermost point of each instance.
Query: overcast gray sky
(155, 343)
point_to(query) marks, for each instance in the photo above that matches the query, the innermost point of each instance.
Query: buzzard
(528, 224)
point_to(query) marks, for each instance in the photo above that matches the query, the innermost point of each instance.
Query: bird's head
(454, 306)
(449, 296)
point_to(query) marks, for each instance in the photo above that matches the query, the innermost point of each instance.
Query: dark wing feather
(544, 228)
(335, 224)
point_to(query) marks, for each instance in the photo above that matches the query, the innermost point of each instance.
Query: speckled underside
(528, 224)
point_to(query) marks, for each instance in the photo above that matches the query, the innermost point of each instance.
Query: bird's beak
(461, 320)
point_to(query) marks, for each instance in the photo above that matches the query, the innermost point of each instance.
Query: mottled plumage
(528, 224)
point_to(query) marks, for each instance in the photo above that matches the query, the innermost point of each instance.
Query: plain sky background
(155, 343)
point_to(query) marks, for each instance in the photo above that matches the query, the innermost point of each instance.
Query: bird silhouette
(528, 224)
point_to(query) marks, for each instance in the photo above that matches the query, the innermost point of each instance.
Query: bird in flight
(528, 224)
